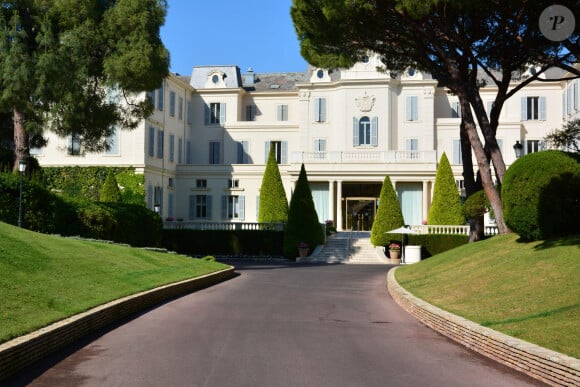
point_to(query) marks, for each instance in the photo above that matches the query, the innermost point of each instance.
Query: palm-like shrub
(446, 207)
(303, 224)
(273, 202)
(389, 215)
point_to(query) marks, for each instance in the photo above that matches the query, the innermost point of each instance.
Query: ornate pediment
(365, 103)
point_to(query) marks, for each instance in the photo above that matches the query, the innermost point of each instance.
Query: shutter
(245, 146)
(222, 113)
(151, 141)
(188, 152)
(190, 113)
(224, 207)
(206, 114)
(542, 113)
(412, 105)
(152, 97)
(322, 109)
(374, 131)
(170, 199)
(241, 207)
(150, 197)
(267, 152)
(489, 107)
(258, 208)
(279, 113)
(316, 109)
(575, 95)
(457, 152)
(524, 104)
(172, 104)
(240, 152)
(160, 97)
(284, 155)
(208, 207)
(210, 158)
(355, 139)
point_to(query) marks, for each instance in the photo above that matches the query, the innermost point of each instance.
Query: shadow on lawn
(554, 242)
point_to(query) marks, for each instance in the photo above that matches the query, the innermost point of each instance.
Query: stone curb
(25, 350)
(550, 367)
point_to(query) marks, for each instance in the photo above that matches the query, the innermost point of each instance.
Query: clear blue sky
(246, 33)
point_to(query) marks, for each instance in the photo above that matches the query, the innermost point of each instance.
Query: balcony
(366, 157)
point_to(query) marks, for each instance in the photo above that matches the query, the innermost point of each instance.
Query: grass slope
(526, 290)
(46, 278)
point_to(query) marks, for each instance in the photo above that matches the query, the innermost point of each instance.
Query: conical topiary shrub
(389, 215)
(446, 207)
(273, 202)
(303, 225)
(110, 191)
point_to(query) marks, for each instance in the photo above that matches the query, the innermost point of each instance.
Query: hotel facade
(203, 151)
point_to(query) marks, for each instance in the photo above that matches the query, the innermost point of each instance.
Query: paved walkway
(349, 248)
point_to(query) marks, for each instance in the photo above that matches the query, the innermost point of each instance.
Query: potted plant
(394, 251)
(303, 249)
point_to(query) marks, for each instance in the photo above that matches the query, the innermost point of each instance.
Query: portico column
(339, 205)
(425, 199)
(331, 199)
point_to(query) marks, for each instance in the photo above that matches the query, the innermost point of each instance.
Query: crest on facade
(365, 103)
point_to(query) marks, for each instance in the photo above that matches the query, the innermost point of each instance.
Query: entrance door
(360, 213)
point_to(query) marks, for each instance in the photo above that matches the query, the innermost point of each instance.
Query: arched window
(365, 131)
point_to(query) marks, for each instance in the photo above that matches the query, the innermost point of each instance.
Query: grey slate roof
(276, 81)
(199, 76)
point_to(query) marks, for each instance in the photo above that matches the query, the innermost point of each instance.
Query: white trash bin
(412, 254)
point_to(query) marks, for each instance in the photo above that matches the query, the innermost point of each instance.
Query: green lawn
(46, 278)
(526, 290)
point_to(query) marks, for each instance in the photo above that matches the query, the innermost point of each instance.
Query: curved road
(276, 325)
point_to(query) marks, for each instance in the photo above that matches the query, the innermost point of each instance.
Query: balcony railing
(364, 157)
(229, 226)
(455, 230)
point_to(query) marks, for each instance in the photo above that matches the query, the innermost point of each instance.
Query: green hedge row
(432, 244)
(214, 242)
(49, 213)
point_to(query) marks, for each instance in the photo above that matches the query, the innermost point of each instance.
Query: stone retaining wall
(25, 350)
(540, 363)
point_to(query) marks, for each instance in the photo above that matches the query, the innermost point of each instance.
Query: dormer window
(320, 74)
(215, 79)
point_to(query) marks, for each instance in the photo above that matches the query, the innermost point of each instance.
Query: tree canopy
(456, 41)
(73, 66)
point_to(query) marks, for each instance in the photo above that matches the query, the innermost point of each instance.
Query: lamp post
(21, 169)
(518, 148)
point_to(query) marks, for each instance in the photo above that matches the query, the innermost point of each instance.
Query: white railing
(230, 226)
(444, 229)
(363, 156)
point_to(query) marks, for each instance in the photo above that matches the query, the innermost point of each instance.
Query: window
(152, 97)
(214, 152)
(533, 108)
(215, 113)
(170, 205)
(319, 149)
(412, 108)
(251, 113)
(74, 144)
(199, 207)
(151, 141)
(171, 147)
(455, 110)
(243, 157)
(365, 131)
(457, 156)
(180, 109)
(158, 198)
(412, 145)
(179, 150)
(282, 113)
(233, 207)
(160, 98)
(200, 183)
(233, 183)
(112, 141)
(532, 146)
(160, 144)
(172, 103)
(170, 182)
(280, 151)
(319, 109)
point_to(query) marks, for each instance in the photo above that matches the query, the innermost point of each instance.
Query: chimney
(249, 77)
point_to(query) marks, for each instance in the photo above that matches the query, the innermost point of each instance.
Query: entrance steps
(349, 248)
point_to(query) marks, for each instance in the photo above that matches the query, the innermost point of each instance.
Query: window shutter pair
(242, 152)
(207, 114)
(356, 140)
(241, 207)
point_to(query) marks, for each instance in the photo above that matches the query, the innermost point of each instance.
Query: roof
(276, 81)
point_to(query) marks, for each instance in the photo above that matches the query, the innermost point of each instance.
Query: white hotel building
(203, 151)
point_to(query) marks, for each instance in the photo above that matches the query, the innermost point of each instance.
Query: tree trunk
(483, 165)
(476, 228)
(21, 143)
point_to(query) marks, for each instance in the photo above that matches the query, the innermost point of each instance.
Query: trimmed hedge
(389, 215)
(540, 195)
(218, 242)
(110, 191)
(433, 244)
(446, 207)
(273, 201)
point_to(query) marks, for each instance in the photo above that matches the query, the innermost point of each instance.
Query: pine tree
(110, 191)
(303, 224)
(389, 215)
(273, 202)
(446, 207)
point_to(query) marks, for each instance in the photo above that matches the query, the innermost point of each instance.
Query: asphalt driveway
(275, 325)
